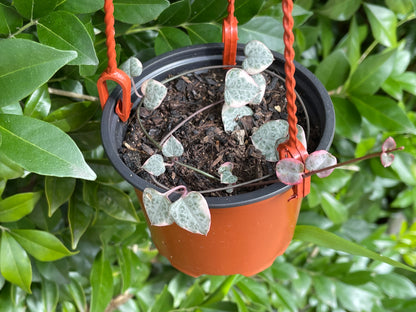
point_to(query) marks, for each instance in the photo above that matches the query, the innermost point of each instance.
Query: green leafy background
(72, 232)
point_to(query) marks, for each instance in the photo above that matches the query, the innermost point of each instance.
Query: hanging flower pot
(248, 230)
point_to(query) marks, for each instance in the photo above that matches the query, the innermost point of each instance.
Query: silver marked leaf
(154, 92)
(386, 159)
(258, 57)
(192, 213)
(261, 82)
(226, 175)
(155, 165)
(157, 207)
(240, 88)
(230, 115)
(289, 171)
(172, 147)
(132, 67)
(264, 139)
(388, 144)
(320, 160)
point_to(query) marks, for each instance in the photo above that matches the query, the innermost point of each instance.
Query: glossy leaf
(73, 116)
(222, 290)
(50, 295)
(265, 29)
(353, 44)
(138, 11)
(169, 39)
(207, 10)
(38, 103)
(155, 165)
(101, 283)
(22, 59)
(327, 239)
(177, 13)
(31, 9)
(194, 298)
(58, 191)
(10, 20)
(164, 301)
(80, 216)
(240, 88)
(63, 30)
(333, 70)
(355, 298)
(258, 57)
(14, 262)
(204, 33)
(401, 6)
(192, 213)
(383, 112)
(154, 92)
(286, 298)
(395, 285)
(124, 258)
(245, 10)
(371, 73)
(15, 207)
(77, 293)
(340, 10)
(41, 245)
(9, 169)
(172, 147)
(157, 207)
(85, 6)
(348, 119)
(383, 24)
(42, 148)
(230, 116)
(325, 290)
(335, 210)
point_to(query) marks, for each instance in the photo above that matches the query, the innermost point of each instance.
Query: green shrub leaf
(169, 39)
(58, 191)
(21, 59)
(42, 148)
(395, 285)
(15, 207)
(177, 13)
(138, 11)
(312, 234)
(371, 73)
(85, 6)
(31, 9)
(207, 10)
(41, 245)
(333, 70)
(101, 282)
(10, 20)
(14, 262)
(383, 24)
(340, 10)
(38, 103)
(64, 31)
(203, 33)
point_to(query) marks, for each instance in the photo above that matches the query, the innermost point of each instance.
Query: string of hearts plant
(245, 85)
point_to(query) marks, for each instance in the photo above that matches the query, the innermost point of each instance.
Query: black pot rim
(211, 53)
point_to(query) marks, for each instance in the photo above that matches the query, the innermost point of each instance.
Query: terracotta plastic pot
(248, 231)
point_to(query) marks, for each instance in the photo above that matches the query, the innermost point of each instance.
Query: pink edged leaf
(388, 144)
(320, 160)
(157, 207)
(225, 171)
(154, 92)
(191, 213)
(386, 159)
(290, 171)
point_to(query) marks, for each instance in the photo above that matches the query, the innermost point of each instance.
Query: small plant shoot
(258, 57)
(154, 92)
(226, 175)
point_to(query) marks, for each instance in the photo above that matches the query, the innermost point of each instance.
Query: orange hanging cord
(292, 148)
(112, 72)
(230, 36)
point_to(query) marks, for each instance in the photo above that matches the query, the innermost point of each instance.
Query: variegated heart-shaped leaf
(240, 88)
(261, 82)
(157, 207)
(155, 165)
(290, 171)
(132, 67)
(172, 147)
(386, 159)
(264, 139)
(320, 160)
(258, 57)
(192, 213)
(226, 175)
(154, 92)
(230, 115)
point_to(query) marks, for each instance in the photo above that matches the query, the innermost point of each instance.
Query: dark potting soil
(205, 142)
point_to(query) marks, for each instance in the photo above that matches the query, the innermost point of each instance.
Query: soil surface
(206, 144)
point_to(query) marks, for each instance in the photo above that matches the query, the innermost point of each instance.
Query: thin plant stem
(196, 170)
(73, 95)
(24, 27)
(144, 130)
(187, 119)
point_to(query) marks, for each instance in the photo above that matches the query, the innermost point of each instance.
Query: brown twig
(73, 95)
